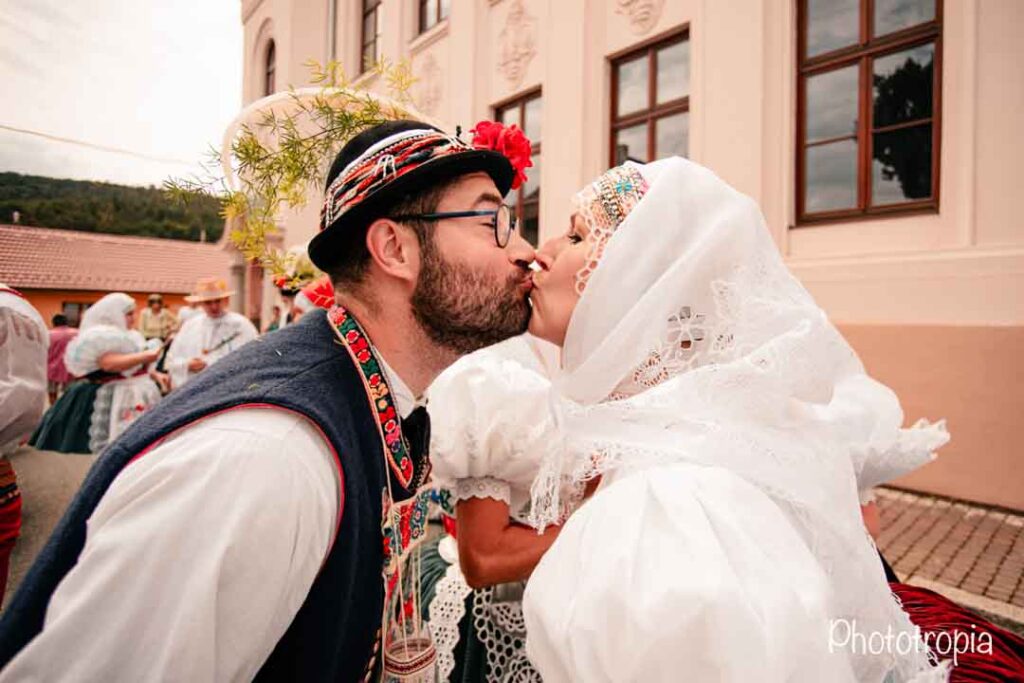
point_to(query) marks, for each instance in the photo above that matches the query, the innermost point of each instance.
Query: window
(269, 67)
(651, 101)
(73, 311)
(867, 107)
(432, 13)
(525, 112)
(371, 35)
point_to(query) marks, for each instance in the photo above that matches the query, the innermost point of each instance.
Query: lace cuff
(482, 487)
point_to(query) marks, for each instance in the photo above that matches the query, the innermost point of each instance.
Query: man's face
(155, 306)
(472, 293)
(215, 308)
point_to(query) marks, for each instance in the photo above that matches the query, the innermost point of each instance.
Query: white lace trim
(482, 487)
(502, 629)
(446, 611)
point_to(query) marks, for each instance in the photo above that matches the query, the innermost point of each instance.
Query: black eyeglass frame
(513, 220)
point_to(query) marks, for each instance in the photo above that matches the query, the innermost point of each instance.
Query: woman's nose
(547, 253)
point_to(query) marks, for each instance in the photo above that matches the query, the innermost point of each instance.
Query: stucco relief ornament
(518, 43)
(430, 88)
(642, 14)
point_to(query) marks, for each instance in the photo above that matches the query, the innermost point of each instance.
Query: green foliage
(282, 158)
(105, 207)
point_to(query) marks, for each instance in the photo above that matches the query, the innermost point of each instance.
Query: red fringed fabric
(945, 623)
(320, 292)
(10, 529)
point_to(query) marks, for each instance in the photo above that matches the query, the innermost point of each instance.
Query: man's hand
(196, 365)
(162, 379)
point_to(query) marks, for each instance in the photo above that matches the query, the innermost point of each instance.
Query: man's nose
(520, 252)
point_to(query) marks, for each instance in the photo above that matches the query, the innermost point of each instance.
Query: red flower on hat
(507, 140)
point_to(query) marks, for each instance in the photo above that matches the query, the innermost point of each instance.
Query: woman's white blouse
(84, 351)
(491, 422)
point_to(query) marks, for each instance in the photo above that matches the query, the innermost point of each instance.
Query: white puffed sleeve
(492, 420)
(84, 351)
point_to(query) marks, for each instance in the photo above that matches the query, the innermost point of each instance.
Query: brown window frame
(654, 110)
(519, 102)
(862, 55)
(438, 17)
(370, 7)
(81, 307)
(270, 69)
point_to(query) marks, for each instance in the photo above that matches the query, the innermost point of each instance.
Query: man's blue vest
(302, 368)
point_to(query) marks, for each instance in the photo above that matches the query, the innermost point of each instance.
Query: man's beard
(464, 310)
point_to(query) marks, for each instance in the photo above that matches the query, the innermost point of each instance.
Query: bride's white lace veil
(692, 342)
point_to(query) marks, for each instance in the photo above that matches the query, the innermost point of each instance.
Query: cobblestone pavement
(936, 542)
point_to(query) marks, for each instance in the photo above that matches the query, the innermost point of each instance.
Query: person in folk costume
(156, 321)
(23, 373)
(488, 439)
(646, 609)
(731, 427)
(317, 294)
(116, 384)
(57, 375)
(206, 338)
(299, 273)
(286, 472)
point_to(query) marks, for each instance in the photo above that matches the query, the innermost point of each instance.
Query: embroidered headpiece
(604, 205)
(389, 159)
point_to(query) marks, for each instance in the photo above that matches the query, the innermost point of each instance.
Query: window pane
(832, 104)
(429, 14)
(893, 15)
(529, 222)
(533, 120)
(369, 27)
(510, 116)
(531, 188)
(672, 135)
(633, 83)
(369, 56)
(831, 176)
(445, 6)
(903, 86)
(673, 72)
(902, 166)
(832, 24)
(631, 143)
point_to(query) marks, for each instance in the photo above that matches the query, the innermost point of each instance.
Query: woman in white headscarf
(115, 384)
(732, 427)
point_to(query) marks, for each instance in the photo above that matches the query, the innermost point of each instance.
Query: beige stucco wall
(932, 301)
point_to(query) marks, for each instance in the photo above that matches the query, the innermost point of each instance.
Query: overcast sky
(160, 78)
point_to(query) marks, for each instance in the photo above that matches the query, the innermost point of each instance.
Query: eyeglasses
(502, 220)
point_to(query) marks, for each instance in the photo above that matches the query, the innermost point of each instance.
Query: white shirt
(208, 338)
(198, 556)
(23, 344)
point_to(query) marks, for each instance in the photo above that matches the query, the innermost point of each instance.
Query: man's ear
(394, 249)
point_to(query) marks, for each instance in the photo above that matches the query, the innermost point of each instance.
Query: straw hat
(209, 289)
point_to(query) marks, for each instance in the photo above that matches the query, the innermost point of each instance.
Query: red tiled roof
(44, 258)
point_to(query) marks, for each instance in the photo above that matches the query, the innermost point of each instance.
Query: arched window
(268, 70)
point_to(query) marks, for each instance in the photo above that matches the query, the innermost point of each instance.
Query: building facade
(877, 136)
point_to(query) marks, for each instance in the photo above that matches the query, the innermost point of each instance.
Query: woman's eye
(574, 238)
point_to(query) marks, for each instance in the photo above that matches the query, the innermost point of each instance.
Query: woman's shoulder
(489, 412)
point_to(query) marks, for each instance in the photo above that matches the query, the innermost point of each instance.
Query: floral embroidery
(404, 525)
(377, 387)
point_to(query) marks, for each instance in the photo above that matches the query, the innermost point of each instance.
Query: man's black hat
(385, 164)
